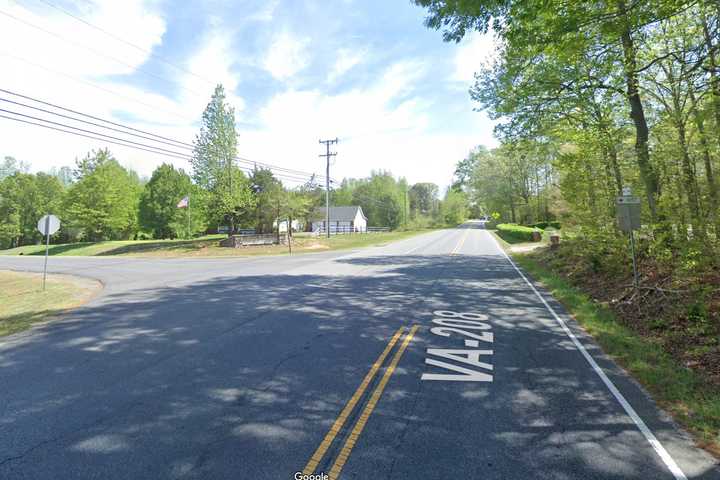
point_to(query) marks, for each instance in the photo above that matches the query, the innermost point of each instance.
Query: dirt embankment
(680, 312)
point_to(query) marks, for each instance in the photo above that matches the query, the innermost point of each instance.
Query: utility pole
(327, 156)
(230, 216)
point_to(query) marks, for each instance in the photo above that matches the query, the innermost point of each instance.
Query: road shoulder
(26, 305)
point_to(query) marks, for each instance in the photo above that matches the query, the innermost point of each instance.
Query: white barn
(342, 219)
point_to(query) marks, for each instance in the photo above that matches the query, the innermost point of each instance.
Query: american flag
(184, 202)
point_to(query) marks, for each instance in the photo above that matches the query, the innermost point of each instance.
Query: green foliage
(64, 175)
(423, 199)
(269, 196)
(545, 225)
(24, 199)
(11, 166)
(593, 97)
(687, 394)
(103, 203)
(213, 163)
(158, 212)
(516, 232)
(454, 208)
(381, 196)
(295, 205)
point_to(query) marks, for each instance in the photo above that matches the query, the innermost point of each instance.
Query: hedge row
(517, 232)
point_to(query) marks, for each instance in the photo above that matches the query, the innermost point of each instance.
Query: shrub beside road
(513, 233)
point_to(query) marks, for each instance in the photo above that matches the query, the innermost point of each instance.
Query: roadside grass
(692, 401)
(513, 245)
(24, 303)
(209, 246)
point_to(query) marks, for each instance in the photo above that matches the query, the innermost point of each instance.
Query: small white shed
(342, 220)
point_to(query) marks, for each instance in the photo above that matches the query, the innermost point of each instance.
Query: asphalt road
(263, 367)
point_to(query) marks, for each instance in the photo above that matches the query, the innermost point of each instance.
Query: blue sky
(367, 71)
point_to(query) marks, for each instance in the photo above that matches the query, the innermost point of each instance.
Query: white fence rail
(349, 230)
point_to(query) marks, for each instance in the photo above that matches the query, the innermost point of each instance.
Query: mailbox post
(628, 216)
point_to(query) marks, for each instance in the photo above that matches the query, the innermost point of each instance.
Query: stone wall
(238, 241)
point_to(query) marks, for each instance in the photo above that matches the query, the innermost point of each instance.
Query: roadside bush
(516, 232)
(544, 225)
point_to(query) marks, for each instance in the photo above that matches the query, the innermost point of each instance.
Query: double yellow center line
(460, 243)
(337, 426)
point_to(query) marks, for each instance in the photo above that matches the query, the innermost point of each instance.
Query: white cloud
(476, 50)
(286, 56)
(65, 73)
(266, 14)
(346, 60)
(383, 126)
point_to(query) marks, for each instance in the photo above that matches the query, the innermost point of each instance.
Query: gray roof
(338, 214)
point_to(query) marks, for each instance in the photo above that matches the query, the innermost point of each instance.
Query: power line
(160, 149)
(59, 127)
(145, 134)
(96, 52)
(65, 109)
(68, 117)
(98, 87)
(122, 40)
(86, 136)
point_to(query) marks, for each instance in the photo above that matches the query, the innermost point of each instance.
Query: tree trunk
(707, 160)
(714, 81)
(613, 156)
(637, 114)
(690, 182)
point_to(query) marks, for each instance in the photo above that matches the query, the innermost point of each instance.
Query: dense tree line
(99, 199)
(594, 97)
(391, 202)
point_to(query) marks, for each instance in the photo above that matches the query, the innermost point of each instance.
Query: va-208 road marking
(474, 328)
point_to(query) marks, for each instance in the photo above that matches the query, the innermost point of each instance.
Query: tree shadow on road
(243, 375)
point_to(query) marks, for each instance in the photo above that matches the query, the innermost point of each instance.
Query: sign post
(289, 234)
(628, 216)
(47, 225)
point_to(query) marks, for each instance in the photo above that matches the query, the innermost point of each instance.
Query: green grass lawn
(692, 401)
(209, 246)
(24, 303)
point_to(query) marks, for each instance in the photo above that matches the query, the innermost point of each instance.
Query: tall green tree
(423, 199)
(454, 207)
(612, 34)
(214, 163)
(268, 192)
(382, 198)
(103, 202)
(158, 211)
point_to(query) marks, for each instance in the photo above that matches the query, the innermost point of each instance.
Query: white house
(342, 219)
(296, 225)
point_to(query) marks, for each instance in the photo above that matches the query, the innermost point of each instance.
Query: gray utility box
(628, 213)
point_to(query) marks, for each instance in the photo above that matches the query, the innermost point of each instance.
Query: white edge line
(649, 436)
